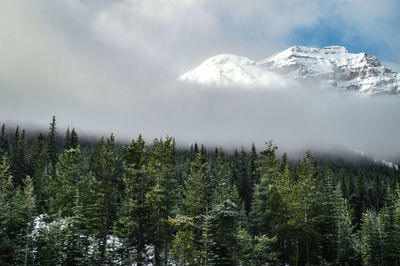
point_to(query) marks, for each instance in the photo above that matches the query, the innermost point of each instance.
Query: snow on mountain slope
(332, 65)
(227, 69)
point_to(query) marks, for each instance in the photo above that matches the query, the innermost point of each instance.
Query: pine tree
(235, 168)
(326, 225)
(197, 191)
(51, 144)
(263, 253)
(226, 213)
(67, 144)
(197, 200)
(305, 211)
(185, 248)
(360, 197)
(163, 196)
(135, 213)
(71, 139)
(38, 163)
(222, 176)
(270, 176)
(245, 247)
(28, 207)
(348, 252)
(18, 164)
(69, 177)
(371, 237)
(224, 229)
(3, 141)
(284, 162)
(7, 192)
(391, 232)
(253, 166)
(75, 250)
(16, 219)
(74, 139)
(244, 182)
(105, 167)
(207, 241)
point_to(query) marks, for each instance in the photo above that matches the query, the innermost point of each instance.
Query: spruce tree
(17, 211)
(38, 163)
(372, 240)
(197, 191)
(105, 167)
(305, 212)
(253, 166)
(391, 232)
(244, 182)
(359, 198)
(270, 174)
(69, 178)
(225, 213)
(348, 251)
(3, 141)
(51, 144)
(162, 197)
(74, 139)
(135, 213)
(18, 163)
(67, 143)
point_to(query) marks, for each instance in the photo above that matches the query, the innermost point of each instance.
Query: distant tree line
(67, 202)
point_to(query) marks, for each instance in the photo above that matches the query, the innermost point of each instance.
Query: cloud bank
(110, 66)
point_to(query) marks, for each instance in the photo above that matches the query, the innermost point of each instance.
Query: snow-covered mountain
(333, 66)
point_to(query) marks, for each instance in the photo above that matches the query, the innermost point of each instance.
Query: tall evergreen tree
(372, 240)
(360, 197)
(3, 141)
(163, 196)
(18, 164)
(51, 144)
(16, 218)
(105, 167)
(70, 176)
(244, 182)
(67, 143)
(135, 213)
(197, 191)
(253, 166)
(39, 162)
(348, 252)
(74, 139)
(197, 200)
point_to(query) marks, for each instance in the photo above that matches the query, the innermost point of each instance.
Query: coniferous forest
(67, 201)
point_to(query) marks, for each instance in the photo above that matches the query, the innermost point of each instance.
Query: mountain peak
(228, 58)
(335, 50)
(334, 66)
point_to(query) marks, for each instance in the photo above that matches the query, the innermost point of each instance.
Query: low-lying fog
(296, 118)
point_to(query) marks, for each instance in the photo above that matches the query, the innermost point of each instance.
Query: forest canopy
(65, 201)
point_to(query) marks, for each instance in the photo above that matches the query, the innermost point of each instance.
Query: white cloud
(101, 65)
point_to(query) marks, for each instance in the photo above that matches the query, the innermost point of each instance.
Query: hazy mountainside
(333, 66)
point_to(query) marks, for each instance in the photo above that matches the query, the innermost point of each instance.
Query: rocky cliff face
(333, 66)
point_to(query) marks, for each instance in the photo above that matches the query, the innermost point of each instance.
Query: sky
(111, 66)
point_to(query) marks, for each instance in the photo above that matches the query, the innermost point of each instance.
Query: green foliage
(197, 191)
(70, 174)
(106, 203)
(51, 144)
(18, 163)
(3, 141)
(16, 219)
(135, 212)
